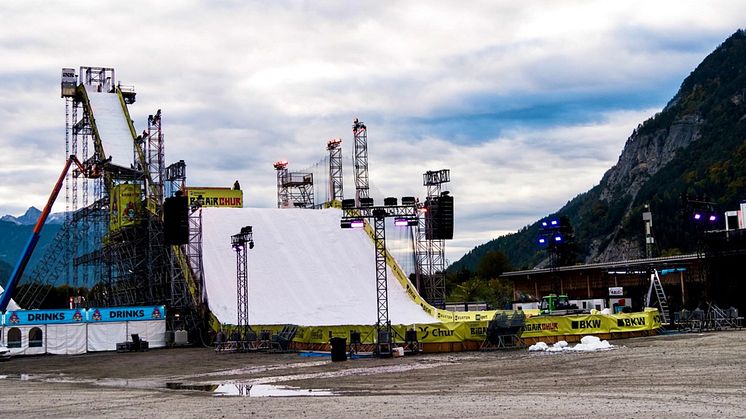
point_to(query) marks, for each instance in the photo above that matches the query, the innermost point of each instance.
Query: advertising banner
(215, 197)
(123, 314)
(590, 324)
(30, 317)
(125, 203)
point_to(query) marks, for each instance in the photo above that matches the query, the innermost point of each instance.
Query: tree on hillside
(492, 265)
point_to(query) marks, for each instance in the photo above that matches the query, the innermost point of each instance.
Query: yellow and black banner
(215, 197)
(476, 330)
(592, 323)
(124, 205)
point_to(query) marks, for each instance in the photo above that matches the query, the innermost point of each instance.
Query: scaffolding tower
(335, 169)
(360, 159)
(431, 263)
(294, 189)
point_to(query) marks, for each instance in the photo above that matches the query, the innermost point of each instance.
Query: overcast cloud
(528, 103)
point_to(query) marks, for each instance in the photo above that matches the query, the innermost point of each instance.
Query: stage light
(390, 201)
(544, 224)
(354, 223)
(697, 216)
(405, 222)
(366, 202)
(554, 222)
(348, 203)
(713, 218)
(542, 241)
(357, 224)
(558, 238)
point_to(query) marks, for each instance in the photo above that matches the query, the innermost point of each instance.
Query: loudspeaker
(445, 208)
(176, 220)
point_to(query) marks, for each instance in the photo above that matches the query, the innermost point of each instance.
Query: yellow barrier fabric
(589, 324)
(476, 330)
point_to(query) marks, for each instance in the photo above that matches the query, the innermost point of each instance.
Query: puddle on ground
(251, 390)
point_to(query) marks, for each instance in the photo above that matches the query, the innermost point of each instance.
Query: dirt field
(685, 375)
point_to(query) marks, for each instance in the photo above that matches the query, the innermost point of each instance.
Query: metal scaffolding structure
(294, 189)
(360, 159)
(120, 262)
(240, 242)
(431, 262)
(334, 146)
(353, 216)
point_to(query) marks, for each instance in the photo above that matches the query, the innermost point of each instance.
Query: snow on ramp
(112, 126)
(303, 270)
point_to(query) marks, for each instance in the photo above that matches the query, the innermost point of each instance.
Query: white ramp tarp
(66, 339)
(105, 336)
(154, 331)
(304, 269)
(112, 127)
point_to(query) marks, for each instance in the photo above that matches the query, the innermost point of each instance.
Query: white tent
(77, 331)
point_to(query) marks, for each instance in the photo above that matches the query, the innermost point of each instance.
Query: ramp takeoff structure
(114, 244)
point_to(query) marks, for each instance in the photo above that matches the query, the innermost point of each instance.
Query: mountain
(15, 236)
(32, 215)
(696, 147)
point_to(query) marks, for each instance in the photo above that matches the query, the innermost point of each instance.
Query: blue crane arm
(20, 267)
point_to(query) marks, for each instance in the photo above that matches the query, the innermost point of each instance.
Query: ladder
(660, 295)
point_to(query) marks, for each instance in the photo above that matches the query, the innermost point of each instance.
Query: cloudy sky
(527, 103)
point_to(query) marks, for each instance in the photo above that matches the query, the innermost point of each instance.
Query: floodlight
(359, 223)
(405, 222)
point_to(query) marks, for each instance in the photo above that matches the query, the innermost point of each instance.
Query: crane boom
(91, 171)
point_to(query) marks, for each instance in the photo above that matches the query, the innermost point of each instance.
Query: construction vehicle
(559, 305)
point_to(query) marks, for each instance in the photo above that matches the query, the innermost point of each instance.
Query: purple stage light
(401, 222)
(697, 216)
(357, 224)
(713, 218)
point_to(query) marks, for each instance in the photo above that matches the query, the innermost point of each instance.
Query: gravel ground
(683, 375)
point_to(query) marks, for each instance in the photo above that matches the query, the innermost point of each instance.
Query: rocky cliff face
(643, 156)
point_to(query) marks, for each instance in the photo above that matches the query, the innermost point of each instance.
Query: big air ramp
(112, 126)
(304, 270)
